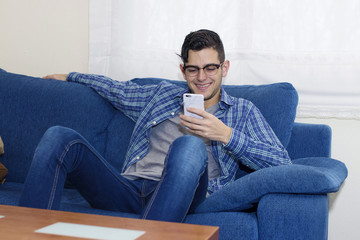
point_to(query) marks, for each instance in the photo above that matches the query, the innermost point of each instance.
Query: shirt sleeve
(127, 96)
(256, 145)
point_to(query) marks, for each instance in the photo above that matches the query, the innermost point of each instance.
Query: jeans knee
(54, 143)
(60, 132)
(58, 136)
(189, 141)
(191, 150)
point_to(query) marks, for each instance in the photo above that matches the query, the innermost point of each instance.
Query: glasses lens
(211, 69)
(192, 71)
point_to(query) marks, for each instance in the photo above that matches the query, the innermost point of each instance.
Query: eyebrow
(209, 64)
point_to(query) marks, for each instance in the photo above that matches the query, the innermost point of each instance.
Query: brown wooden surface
(20, 223)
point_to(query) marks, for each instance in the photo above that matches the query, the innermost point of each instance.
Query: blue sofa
(285, 202)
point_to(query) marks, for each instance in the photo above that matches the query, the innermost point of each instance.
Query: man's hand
(209, 127)
(61, 77)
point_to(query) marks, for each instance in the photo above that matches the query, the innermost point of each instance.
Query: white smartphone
(194, 101)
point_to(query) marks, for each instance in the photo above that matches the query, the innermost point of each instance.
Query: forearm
(99, 83)
(256, 154)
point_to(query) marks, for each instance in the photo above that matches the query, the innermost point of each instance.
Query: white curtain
(313, 44)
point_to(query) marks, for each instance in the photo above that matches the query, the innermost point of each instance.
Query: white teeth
(202, 86)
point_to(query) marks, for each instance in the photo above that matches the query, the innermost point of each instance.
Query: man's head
(204, 64)
(200, 40)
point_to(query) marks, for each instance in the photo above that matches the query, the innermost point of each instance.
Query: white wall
(40, 37)
(344, 205)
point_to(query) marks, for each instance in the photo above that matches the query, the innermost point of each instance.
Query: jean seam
(193, 196)
(61, 159)
(146, 212)
(152, 199)
(56, 176)
(143, 201)
(53, 189)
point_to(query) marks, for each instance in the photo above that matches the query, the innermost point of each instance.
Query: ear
(182, 70)
(225, 68)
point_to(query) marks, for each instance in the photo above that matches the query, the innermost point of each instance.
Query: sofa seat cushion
(10, 193)
(305, 176)
(71, 201)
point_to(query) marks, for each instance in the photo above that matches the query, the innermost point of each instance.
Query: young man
(173, 161)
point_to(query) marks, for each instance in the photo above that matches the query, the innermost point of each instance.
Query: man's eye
(191, 70)
(211, 68)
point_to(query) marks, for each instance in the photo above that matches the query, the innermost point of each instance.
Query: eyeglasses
(210, 69)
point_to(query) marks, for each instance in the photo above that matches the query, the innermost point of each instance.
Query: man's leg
(185, 168)
(62, 153)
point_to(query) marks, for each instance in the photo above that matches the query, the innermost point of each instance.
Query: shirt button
(137, 158)
(173, 113)
(154, 122)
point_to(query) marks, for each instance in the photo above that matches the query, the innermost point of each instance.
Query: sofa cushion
(304, 133)
(243, 225)
(277, 102)
(305, 176)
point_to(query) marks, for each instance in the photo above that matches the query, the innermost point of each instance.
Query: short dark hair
(200, 40)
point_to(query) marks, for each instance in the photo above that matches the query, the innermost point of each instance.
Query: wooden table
(21, 223)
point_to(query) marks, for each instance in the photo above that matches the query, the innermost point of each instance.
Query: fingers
(209, 127)
(47, 77)
(191, 123)
(197, 111)
(61, 77)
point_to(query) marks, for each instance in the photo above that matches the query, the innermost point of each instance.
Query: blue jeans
(64, 154)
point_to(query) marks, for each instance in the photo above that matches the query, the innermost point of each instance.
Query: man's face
(209, 86)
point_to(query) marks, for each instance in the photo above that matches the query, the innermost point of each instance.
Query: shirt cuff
(72, 77)
(238, 142)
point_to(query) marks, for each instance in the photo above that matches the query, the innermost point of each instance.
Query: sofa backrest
(29, 106)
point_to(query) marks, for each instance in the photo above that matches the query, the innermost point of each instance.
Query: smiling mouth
(203, 86)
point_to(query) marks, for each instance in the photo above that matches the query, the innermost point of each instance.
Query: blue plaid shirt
(253, 143)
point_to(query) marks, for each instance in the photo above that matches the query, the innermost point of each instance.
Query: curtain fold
(315, 45)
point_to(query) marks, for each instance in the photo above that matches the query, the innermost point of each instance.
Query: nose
(202, 75)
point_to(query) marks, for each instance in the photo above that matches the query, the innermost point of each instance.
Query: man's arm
(255, 146)
(126, 96)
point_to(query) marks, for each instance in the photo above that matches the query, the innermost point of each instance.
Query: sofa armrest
(293, 216)
(309, 140)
